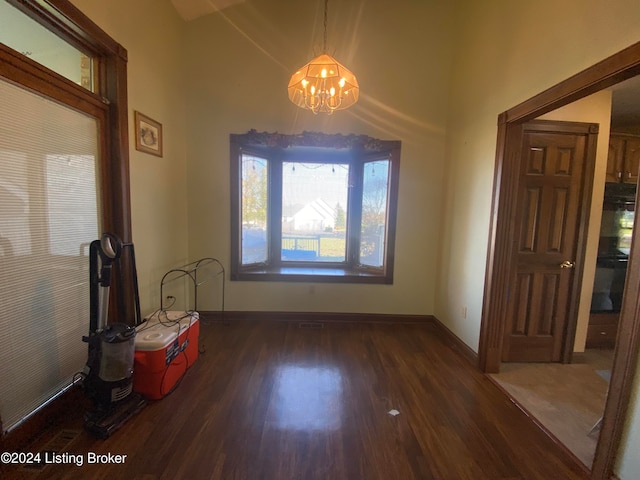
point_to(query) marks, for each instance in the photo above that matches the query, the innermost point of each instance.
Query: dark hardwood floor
(271, 400)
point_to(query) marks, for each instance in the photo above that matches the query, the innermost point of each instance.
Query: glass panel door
(49, 211)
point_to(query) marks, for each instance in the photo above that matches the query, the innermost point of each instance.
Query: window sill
(311, 274)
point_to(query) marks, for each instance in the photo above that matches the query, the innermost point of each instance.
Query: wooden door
(542, 294)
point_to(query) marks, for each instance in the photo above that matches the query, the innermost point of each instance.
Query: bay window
(313, 207)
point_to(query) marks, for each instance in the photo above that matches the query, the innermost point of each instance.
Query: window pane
(374, 213)
(71, 197)
(314, 206)
(48, 216)
(28, 37)
(254, 209)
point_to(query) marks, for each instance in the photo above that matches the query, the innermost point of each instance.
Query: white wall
(239, 64)
(152, 32)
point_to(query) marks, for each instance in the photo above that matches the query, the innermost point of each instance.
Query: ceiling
(192, 9)
(626, 95)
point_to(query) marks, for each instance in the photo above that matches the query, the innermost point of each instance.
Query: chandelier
(324, 84)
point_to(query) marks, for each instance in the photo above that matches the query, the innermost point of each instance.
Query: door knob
(567, 264)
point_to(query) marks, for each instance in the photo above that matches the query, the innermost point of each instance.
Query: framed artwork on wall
(148, 134)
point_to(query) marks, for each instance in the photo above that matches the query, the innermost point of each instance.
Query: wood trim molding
(614, 69)
(499, 252)
(455, 342)
(317, 317)
(621, 66)
(313, 139)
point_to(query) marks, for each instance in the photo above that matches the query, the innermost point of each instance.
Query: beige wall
(593, 109)
(152, 32)
(234, 72)
(507, 52)
(239, 65)
(502, 58)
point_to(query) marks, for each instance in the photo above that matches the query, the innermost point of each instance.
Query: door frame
(614, 69)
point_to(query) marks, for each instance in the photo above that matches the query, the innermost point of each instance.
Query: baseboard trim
(578, 357)
(456, 343)
(327, 317)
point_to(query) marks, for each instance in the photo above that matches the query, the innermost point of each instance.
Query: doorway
(619, 67)
(568, 399)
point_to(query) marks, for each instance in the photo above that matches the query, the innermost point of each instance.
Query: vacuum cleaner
(108, 374)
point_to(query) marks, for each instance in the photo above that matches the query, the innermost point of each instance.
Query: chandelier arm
(313, 104)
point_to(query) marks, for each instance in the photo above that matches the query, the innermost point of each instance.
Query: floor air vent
(57, 445)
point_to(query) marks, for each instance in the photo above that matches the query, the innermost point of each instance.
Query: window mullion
(275, 210)
(354, 213)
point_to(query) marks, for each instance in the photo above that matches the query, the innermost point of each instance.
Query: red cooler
(166, 346)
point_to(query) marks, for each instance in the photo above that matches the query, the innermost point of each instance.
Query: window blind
(48, 216)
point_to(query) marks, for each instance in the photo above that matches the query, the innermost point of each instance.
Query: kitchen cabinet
(624, 158)
(602, 330)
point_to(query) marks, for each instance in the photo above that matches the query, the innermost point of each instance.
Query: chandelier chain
(324, 44)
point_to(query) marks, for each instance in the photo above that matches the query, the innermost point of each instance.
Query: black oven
(613, 247)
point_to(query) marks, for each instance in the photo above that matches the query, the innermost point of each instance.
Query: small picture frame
(148, 134)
